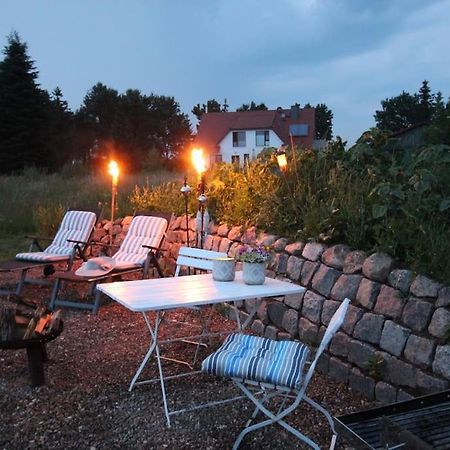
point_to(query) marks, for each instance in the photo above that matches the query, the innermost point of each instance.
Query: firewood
(42, 324)
(37, 316)
(30, 328)
(7, 321)
(54, 322)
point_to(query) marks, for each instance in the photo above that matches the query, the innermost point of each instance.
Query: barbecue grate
(427, 418)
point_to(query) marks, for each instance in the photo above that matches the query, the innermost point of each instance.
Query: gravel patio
(86, 404)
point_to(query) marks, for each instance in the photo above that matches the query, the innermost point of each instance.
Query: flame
(198, 160)
(113, 170)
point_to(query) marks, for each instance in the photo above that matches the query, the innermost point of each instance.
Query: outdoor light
(281, 158)
(186, 190)
(113, 170)
(202, 218)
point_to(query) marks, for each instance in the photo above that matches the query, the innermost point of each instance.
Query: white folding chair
(196, 259)
(267, 368)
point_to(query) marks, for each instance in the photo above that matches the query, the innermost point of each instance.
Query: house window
(262, 138)
(218, 158)
(235, 159)
(246, 159)
(238, 138)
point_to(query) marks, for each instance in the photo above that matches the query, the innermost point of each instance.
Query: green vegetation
(367, 197)
(35, 201)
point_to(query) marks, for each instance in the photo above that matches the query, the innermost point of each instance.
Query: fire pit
(422, 423)
(26, 326)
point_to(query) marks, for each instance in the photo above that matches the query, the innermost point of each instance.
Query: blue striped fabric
(144, 230)
(77, 226)
(259, 359)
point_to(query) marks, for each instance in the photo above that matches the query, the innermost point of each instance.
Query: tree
(211, 106)
(406, 110)
(324, 121)
(132, 125)
(61, 138)
(252, 106)
(24, 111)
(398, 112)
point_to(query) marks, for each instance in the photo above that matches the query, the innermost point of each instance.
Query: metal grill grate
(427, 418)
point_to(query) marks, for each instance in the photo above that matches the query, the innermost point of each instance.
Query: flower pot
(223, 269)
(254, 273)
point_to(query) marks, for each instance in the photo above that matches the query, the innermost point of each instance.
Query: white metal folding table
(162, 294)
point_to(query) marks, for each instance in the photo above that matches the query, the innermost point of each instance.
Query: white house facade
(239, 146)
(235, 137)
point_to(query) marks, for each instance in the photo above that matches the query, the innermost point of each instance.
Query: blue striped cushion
(259, 359)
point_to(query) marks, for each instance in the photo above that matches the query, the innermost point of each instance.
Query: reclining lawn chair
(261, 366)
(69, 242)
(138, 252)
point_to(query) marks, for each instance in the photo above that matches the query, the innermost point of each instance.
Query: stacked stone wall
(394, 343)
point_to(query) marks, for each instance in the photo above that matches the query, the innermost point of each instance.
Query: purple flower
(254, 254)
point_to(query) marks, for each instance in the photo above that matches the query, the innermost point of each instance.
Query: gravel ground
(86, 404)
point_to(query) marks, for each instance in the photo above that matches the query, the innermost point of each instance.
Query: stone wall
(394, 343)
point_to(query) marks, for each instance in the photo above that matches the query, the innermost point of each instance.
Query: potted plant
(254, 259)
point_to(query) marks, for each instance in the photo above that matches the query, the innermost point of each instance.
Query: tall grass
(35, 201)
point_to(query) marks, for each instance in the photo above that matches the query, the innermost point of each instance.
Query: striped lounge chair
(69, 242)
(264, 369)
(137, 253)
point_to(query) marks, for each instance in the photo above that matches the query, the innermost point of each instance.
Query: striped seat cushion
(144, 230)
(259, 359)
(77, 226)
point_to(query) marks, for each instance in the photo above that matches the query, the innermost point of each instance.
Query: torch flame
(198, 160)
(113, 170)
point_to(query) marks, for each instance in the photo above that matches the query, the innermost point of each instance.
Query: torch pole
(113, 207)
(185, 190)
(202, 199)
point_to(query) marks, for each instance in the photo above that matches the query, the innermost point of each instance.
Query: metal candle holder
(202, 200)
(186, 190)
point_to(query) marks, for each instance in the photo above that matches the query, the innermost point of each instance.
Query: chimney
(295, 110)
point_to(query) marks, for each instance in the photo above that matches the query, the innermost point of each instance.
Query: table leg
(153, 346)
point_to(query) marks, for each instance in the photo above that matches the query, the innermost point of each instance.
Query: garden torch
(113, 170)
(186, 190)
(202, 218)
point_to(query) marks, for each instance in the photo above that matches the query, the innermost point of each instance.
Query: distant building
(240, 136)
(411, 137)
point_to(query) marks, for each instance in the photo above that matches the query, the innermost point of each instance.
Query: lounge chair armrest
(152, 247)
(78, 242)
(155, 249)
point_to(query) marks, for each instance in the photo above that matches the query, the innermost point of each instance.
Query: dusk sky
(349, 54)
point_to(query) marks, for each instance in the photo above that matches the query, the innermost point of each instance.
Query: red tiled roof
(215, 126)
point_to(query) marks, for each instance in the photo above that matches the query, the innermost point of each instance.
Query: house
(239, 136)
(411, 137)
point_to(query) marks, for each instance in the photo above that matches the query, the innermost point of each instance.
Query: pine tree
(24, 111)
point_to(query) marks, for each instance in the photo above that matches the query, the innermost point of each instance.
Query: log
(38, 314)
